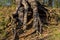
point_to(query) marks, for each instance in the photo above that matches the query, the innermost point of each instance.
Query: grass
(5, 13)
(54, 32)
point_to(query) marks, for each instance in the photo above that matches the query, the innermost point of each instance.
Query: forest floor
(51, 32)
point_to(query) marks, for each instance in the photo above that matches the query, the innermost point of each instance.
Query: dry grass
(52, 30)
(5, 13)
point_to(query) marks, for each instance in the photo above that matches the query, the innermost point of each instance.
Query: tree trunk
(28, 18)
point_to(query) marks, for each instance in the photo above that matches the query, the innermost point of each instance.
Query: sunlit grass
(55, 32)
(5, 13)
